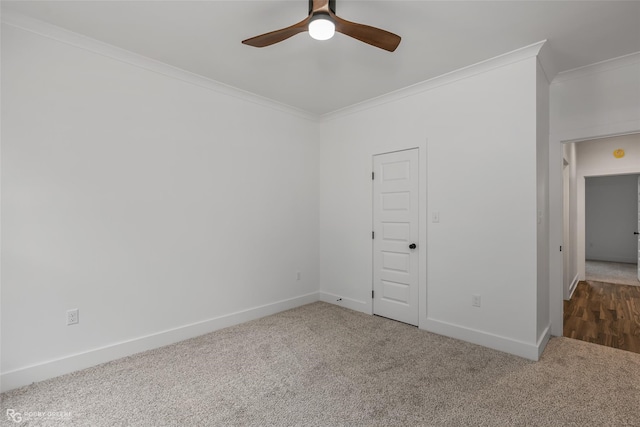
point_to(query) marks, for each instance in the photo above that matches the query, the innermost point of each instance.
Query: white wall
(482, 179)
(150, 203)
(542, 201)
(611, 217)
(592, 102)
(587, 100)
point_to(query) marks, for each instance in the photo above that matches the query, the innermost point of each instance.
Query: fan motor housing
(332, 6)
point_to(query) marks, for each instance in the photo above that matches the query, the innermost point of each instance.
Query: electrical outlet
(73, 316)
(475, 300)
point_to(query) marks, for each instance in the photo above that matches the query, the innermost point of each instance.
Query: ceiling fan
(322, 23)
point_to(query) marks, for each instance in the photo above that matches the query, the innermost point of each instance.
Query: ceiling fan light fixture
(321, 27)
(322, 23)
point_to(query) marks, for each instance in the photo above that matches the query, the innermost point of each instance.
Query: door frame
(422, 225)
(581, 220)
(556, 231)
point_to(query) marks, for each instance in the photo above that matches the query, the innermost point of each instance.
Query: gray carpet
(612, 272)
(322, 365)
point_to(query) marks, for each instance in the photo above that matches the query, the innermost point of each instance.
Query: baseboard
(485, 339)
(53, 368)
(345, 302)
(572, 286)
(616, 259)
(543, 340)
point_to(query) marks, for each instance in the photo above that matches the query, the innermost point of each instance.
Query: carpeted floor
(612, 272)
(322, 365)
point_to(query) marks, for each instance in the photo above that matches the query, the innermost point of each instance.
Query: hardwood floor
(605, 314)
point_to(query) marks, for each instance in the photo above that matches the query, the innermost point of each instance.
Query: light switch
(435, 217)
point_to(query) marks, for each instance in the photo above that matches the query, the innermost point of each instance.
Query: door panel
(395, 202)
(395, 291)
(399, 232)
(395, 221)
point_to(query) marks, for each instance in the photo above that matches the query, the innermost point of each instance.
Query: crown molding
(95, 46)
(545, 59)
(598, 67)
(463, 73)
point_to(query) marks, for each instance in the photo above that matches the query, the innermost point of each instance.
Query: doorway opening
(612, 214)
(602, 250)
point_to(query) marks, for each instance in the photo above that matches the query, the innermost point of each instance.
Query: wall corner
(545, 59)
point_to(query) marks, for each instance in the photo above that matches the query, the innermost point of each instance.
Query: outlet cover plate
(73, 316)
(475, 300)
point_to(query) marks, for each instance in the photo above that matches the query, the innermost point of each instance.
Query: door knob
(635, 232)
(412, 246)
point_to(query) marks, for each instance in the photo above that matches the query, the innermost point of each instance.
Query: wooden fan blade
(370, 35)
(278, 35)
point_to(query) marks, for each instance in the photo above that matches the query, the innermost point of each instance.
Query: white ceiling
(204, 37)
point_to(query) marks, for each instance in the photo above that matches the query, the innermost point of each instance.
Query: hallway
(604, 313)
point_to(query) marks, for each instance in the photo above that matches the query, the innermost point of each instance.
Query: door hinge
(560, 248)
(372, 294)
(373, 175)
(373, 234)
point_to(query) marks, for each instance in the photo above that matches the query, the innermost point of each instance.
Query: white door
(395, 236)
(638, 229)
